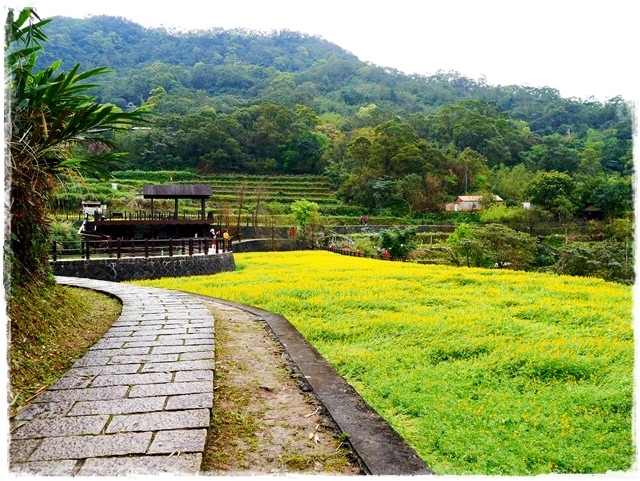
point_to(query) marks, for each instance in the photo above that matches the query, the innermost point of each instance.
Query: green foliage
(620, 230)
(398, 242)
(499, 214)
(464, 249)
(505, 247)
(50, 115)
(615, 197)
(306, 214)
(50, 329)
(64, 232)
(610, 260)
(288, 103)
(492, 245)
(548, 187)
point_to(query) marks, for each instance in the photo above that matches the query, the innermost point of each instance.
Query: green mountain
(283, 103)
(237, 67)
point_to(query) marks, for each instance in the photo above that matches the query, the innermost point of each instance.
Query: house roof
(475, 198)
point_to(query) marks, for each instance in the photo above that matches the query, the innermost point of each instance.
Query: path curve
(139, 401)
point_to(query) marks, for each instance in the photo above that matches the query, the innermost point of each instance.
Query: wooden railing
(385, 256)
(94, 248)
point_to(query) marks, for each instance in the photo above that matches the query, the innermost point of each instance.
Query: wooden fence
(93, 248)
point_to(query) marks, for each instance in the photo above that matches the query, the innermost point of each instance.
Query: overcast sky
(581, 48)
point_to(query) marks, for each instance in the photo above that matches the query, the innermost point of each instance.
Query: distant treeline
(288, 103)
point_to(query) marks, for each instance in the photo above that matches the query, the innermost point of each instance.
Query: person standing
(226, 240)
(218, 241)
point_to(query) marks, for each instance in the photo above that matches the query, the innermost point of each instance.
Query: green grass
(481, 371)
(50, 330)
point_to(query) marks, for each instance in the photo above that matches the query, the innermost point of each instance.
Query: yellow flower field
(481, 371)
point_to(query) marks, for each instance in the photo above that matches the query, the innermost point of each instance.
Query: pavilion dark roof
(179, 191)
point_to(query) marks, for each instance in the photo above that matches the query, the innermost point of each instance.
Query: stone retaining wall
(267, 245)
(128, 269)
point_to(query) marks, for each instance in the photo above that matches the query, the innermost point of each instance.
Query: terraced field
(124, 191)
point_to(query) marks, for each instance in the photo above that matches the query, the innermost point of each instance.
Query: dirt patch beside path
(263, 421)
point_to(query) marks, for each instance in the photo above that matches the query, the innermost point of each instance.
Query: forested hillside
(289, 103)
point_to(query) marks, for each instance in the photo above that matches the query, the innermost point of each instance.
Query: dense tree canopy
(289, 103)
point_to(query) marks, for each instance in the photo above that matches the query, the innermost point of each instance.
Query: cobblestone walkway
(139, 401)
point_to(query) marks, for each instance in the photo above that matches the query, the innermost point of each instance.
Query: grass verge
(50, 330)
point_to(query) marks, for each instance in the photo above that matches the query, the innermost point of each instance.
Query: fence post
(87, 244)
(205, 241)
(190, 247)
(146, 247)
(170, 247)
(54, 253)
(118, 248)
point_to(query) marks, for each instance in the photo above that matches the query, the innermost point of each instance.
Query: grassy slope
(49, 332)
(482, 371)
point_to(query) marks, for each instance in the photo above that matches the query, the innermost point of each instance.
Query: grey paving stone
(128, 341)
(181, 349)
(86, 361)
(208, 323)
(118, 332)
(133, 316)
(200, 330)
(118, 335)
(150, 322)
(108, 344)
(193, 356)
(70, 381)
(129, 379)
(81, 447)
(119, 406)
(122, 351)
(89, 394)
(58, 427)
(45, 468)
(180, 440)
(188, 338)
(144, 358)
(191, 342)
(179, 316)
(44, 410)
(21, 449)
(194, 418)
(163, 342)
(190, 401)
(143, 465)
(108, 369)
(130, 315)
(170, 389)
(201, 364)
(161, 332)
(190, 376)
(126, 322)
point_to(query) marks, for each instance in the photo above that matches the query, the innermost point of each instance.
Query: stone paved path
(139, 401)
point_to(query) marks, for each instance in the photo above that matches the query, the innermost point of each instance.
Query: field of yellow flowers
(481, 371)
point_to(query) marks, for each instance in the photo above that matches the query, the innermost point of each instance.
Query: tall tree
(49, 117)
